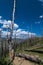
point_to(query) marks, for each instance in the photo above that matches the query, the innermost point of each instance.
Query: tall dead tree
(11, 46)
(1, 44)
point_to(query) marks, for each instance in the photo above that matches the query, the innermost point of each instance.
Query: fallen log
(38, 51)
(30, 58)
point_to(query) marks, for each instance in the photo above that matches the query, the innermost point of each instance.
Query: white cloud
(0, 29)
(0, 17)
(19, 30)
(1, 21)
(41, 16)
(40, 0)
(15, 25)
(5, 26)
(23, 34)
(37, 22)
(4, 33)
(20, 33)
(8, 23)
(32, 34)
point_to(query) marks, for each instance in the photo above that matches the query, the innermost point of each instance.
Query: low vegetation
(20, 47)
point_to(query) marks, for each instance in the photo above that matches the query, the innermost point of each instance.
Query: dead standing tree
(1, 44)
(11, 46)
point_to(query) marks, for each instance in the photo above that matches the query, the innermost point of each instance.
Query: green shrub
(4, 62)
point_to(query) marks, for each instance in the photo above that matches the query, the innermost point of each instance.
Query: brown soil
(22, 61)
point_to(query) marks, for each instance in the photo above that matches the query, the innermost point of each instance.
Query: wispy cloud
(23, 34)
(0, 29)
(41, 16)
(20, 33)
(4, 33)
(0, 17)
(40, 0)
(37, 22)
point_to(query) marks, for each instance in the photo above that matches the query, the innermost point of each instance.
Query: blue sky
(28, 15)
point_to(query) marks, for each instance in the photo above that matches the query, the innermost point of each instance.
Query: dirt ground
(22, 61)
